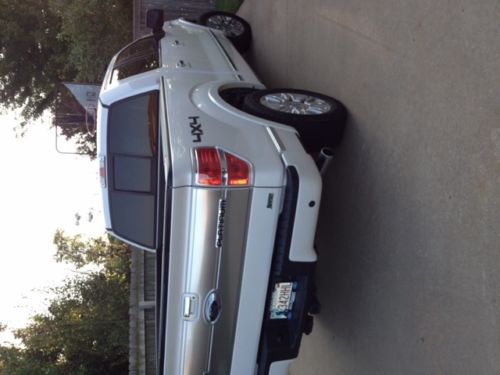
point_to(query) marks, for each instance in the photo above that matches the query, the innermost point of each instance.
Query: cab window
(138, 57)
(132, 168)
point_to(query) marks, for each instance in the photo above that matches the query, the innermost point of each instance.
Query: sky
(41, 190)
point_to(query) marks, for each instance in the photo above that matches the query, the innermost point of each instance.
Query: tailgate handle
(189, 306)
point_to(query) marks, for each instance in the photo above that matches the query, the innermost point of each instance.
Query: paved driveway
(409, 238)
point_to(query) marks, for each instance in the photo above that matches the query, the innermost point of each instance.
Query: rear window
(133, 168)
(138, 57)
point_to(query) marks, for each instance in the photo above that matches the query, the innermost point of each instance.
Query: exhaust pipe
(324, 159)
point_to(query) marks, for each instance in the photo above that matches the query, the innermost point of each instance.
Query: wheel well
(236, 95)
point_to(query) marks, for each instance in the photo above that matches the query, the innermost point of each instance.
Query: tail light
(209, 171)
(238, 171)
(215, 167)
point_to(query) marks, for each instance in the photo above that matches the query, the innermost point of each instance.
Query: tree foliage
(32, 56)
(46, 42)
(85, 141)
(110, 254)
(94, 30)
(85, 330)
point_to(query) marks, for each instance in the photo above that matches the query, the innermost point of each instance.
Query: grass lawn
(228, 5)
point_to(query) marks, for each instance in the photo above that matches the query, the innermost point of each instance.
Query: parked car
(204, 166)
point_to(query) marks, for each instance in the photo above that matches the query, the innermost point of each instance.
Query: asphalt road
(409, 233)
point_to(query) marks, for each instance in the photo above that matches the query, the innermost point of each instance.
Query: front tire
(235, 28)
(319, 119)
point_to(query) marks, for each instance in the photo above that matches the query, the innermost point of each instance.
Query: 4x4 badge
(196, 130)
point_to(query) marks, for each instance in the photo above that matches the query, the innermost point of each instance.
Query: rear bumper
(281, 335)
(279, 249)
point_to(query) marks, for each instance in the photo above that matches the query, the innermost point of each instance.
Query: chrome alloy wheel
(229, 25)
(298, 104)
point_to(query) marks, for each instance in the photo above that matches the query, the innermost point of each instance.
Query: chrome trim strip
(276, 140)
(223, 161)
(224, 53)
(164, 134)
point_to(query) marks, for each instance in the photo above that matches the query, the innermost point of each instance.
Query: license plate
(282, 300)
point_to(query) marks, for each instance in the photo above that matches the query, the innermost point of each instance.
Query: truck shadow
(345, 253)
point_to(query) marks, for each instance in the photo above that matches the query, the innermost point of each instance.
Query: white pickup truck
(202, 165)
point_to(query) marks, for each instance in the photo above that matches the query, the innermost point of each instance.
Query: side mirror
(154, 20)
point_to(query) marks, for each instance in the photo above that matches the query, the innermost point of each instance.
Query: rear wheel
(319, 119)
(235, 28)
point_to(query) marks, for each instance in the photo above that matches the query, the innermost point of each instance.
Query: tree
(16, 361)
(85, 330)
(46, 42)
(110, 254)
(94, 30)
(102, 29)
(32, 56)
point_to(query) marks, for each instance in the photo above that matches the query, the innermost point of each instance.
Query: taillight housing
(215, 167)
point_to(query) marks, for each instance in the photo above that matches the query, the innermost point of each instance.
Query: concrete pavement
(409, 233)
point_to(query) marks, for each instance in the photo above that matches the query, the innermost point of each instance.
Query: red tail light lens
(209, 167)
(238, 171)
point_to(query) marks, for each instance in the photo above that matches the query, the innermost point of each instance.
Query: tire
(235, 28)
(319, 119)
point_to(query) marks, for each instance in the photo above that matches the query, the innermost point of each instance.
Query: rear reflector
(210, 168)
